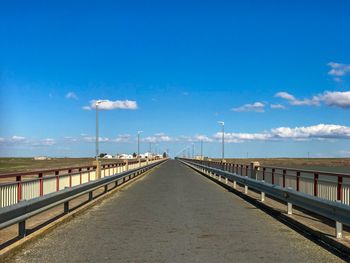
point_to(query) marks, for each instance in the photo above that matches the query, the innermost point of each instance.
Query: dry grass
(8, 165)
(324, 164)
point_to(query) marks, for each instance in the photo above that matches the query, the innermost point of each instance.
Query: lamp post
(192, 150)
(97, 136)
(223, 139)
(97, 163)
(138, 143)
(202, 149)
(138, 147)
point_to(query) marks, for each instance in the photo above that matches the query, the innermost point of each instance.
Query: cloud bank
(330, 98)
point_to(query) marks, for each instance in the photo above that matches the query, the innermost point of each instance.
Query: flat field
(8, 165)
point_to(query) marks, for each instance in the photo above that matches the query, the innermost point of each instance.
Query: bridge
(180, 210)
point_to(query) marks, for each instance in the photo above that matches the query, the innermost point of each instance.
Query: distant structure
(124, 156)
(41, 158)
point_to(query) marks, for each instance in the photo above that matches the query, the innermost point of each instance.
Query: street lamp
(138, 143)
(223, 138)
(98, 102)
(202, 149)
(192, 150)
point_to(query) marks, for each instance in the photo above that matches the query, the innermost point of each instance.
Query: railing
(29, 185)
(19, 213)
(336, 211)
(322, 184)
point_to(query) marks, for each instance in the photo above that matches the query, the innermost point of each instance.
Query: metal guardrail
(54, 180)
(327, 185)
(333, 210)
(24, 210)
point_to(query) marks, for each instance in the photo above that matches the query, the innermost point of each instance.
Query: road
(172, 215)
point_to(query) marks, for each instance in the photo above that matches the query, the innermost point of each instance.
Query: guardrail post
(234, 184)
(106, 188)
(246, 189)
(284, 178)
(262, 194)
(90, 196)
(226, 180)
(22, 229)
(66, 207)
(219, 178)
(289, 208)
(338, 227)
(273, 176)
(289, 204)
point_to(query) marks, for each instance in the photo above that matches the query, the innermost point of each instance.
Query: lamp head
(221, 122)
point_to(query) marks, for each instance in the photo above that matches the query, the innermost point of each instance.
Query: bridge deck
(173, 215)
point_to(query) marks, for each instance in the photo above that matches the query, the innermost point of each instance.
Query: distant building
(146, 155)
(107, 156)
(124, 156)
(41, 158)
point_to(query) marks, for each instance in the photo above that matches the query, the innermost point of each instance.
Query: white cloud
(319, 132)
(158, 137)
(70, 139)
(240, 137)
(330, 98)
(256, 106)
(113, 105)
(277, 106)
(314, 101)
(122, 138)
(196, 138)
(202, 138)
(48, 142)
(93, 139)
(71, 95)
(86, 108)
(17, 138)
(338, 69)
(337, 99)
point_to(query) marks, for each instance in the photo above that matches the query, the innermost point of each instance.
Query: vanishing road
(172, 214)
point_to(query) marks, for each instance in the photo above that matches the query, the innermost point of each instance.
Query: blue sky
(277, 73)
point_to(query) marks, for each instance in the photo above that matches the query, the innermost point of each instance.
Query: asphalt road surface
(173, 215)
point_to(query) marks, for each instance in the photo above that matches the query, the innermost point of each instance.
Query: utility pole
(192, 150)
